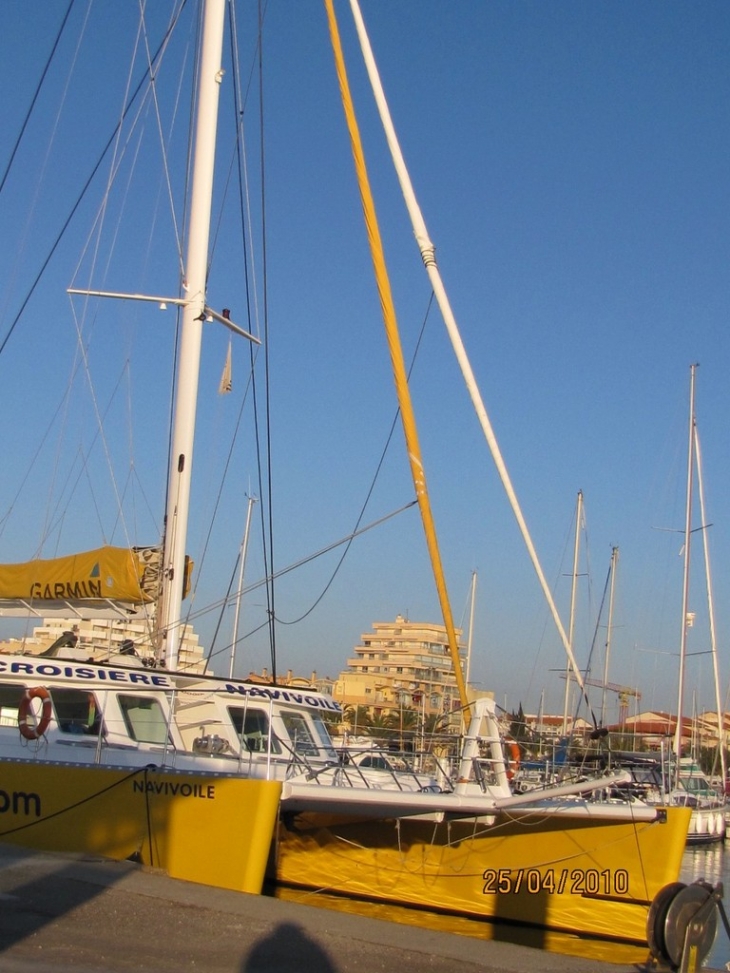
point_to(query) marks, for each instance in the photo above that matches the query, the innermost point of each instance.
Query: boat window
(77, 711)
(374, 763)
(145, 719)
(298, 730)
(252, 727)
(324, 736)
(9, 703)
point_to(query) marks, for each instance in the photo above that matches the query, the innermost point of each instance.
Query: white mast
(472, 601)
(194, 312)
(239, 592)
(573, 590)
(428, 255)
(193, 316)
(685, 580)
(609, 633)
(711, 610)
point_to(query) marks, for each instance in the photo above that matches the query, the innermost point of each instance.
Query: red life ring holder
(513, 764)
(29, 726)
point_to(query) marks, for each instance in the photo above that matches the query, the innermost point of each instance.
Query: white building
(104, 637)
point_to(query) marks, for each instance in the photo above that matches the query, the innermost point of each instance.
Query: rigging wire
(266, 581)
(34, 99)
(84, 189)
(270, 590)
(373, 482)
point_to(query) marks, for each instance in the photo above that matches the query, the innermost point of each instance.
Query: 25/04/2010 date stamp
(574, 881)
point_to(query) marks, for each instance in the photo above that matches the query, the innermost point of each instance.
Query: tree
(517, 726)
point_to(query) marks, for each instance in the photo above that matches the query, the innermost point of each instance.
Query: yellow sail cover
(116, 573)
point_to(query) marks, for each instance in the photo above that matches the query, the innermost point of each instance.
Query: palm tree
(379, 724)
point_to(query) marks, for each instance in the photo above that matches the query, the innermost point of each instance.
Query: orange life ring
(513, 764)
(30, 727)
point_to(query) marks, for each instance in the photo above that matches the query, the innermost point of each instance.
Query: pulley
(682, 924)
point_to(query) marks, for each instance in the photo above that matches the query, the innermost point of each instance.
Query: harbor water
(710, 863)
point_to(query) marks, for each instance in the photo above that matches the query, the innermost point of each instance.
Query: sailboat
(560, 862)
(550, 859)
(91, 758)
(689, 786)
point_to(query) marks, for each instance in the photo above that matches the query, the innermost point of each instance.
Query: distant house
(548, 727)
(652, 729)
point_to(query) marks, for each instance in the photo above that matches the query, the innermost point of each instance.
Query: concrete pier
(73, 914)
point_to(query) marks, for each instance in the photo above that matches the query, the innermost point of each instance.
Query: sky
(570, 160)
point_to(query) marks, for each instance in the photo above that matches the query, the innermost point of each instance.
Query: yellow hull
(212, 830)
(590, 878)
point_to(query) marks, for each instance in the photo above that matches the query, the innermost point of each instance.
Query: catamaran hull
(198, 827)
(593, 878)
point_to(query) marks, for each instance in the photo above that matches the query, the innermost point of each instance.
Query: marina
(123, 746)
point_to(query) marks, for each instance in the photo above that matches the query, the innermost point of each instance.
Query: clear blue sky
(571, 161)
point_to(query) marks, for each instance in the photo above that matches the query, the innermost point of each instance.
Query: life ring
(513, 764)
(30, 727)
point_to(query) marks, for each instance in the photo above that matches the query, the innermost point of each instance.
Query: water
(711, 863)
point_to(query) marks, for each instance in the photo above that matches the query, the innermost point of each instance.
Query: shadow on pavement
(287, 947)
(28, 904)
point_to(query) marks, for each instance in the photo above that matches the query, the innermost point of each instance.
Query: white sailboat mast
(609, 634)
(428, 254)
(573, 591)
(193, 316)
(685, 578)
(711, 609)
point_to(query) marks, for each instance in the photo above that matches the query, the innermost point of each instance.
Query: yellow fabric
(107, 572)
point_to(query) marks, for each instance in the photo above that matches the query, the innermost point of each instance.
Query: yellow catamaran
(590, 868)
(89, 756)
(467, 846)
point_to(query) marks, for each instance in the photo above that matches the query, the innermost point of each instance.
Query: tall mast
(239, 592)
(573, 590)
(609, 633)
(711, 608)
(685, 579)
(428, 255)
(470, 642)
(193, 316)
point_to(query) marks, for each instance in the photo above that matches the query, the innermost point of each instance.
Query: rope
(71, 807)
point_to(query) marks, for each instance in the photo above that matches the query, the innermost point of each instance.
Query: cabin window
(374, 763)
(144, 718)
(77, 711)
(323, 734)
(10, 697)
(252, 729)
(298, 730)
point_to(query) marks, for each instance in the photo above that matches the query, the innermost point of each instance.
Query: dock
(76, 914)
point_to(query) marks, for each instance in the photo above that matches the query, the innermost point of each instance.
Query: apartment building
(103, 637)
(401, 664)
